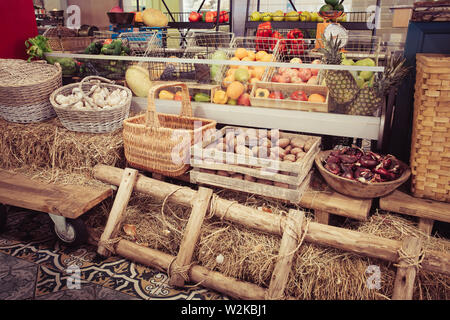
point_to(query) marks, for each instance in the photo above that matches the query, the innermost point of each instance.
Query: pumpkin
(235, 90)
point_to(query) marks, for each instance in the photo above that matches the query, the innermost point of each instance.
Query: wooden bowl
(355, 188)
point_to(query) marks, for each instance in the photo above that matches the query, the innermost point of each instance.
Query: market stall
(261, 158)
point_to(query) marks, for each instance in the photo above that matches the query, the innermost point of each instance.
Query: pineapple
(369, 99)
(341, 83)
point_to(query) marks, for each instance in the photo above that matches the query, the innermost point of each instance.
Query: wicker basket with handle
(96, 120)
(430, 145)
(25, 88)
(160, 142)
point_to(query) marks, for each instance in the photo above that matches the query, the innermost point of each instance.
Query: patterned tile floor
(34, 265)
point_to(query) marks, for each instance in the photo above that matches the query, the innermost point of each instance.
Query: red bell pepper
(276, 95)
(195, 16)
(223, 16)
(263, 34)
(296, 43)
(299, 96)
(282, 46)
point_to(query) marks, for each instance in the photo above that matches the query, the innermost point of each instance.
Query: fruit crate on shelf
(227, 160)
(180, 20)
(195, 45)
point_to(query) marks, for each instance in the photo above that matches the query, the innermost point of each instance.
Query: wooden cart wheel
(75, 233)
(3, 217)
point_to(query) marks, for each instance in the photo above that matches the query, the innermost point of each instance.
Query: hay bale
(49, 145)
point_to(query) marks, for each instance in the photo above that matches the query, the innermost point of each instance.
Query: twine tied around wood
(213, 207)
(110, 244)
(406, 261)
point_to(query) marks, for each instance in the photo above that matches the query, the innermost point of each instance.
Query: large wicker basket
(25, 88)
(161, 142)
(430, 148)
(92, 120)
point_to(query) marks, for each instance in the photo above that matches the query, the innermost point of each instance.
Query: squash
(138, 80)
(154, 18)
(235, 90)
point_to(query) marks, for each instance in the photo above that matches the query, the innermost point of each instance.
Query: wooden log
(335, 237)
(403, 203)
(116, 216)
(336, 203)
(322, 217)
(289, 242)
(190, 238)
(426, 225)
(406, 273)
(198, 274)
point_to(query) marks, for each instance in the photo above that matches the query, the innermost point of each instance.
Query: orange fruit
(259, 55)
(246, 59)
(235, 89)
(251, 55)
(315, 97)
(267, 58)
(258, 72)
(241, 53)
(234, 59)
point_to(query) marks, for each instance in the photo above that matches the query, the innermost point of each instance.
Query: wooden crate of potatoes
(264, 162)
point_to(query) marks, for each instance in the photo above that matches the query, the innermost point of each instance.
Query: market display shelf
(290, 120)
(304, 25)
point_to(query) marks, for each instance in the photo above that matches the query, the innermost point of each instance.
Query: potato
(222, 173)
(278, 151)
(288, 149)
(283, 143)
(240, 149)
(298, 143)
(237, 176)
(281, 185)
(273, 134)
(265, 143)
(208, 171)
(264, 181)
(296, 150)
(300, 155)
(249, 178)
(260, 152)
(308, 145)
(289, 157)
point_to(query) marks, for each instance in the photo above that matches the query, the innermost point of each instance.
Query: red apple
(315, 72)
(296, 79)
(313, 80)
(285, 79)
(304, 74)
(244, 100)
(291, 73)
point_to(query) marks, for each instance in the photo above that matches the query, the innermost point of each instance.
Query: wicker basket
(161, 142)
(70, 43)
(430, 149)
(25, 89)
(92, 120)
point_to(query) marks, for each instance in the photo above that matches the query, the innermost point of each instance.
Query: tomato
(276, 95)
(299, 95)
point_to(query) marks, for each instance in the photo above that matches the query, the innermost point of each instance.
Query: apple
(305, 74)
(244, 100)
(296, 79)
(315, 72)
(291, 72)
(296, 60)
(313, 80)
(282, 70)
(276, 78)
(285, 79)
(255, 16)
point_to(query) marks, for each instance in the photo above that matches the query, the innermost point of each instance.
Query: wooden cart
(63, 203)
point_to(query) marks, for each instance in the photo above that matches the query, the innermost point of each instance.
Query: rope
(213, 207)
(109, 244)
(406, 261)
(183, 271)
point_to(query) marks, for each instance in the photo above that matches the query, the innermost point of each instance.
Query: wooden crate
(291, 178)
(428, 11)
(287, 89)
(430, 145)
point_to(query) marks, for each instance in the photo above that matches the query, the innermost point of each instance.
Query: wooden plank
(426, 225)
(180, 266)
(117, 214)
(406, 273)
(401, 202)
(289, 242)
(70, 201)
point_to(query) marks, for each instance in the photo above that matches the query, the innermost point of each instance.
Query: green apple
(278, 15)
(292, 16)
(305, 16)
(347, 62)
(366, 75)
(360, 81)
(255, 16)
(232, 101)
(266, 16)
(367, 62)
